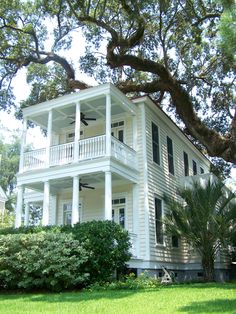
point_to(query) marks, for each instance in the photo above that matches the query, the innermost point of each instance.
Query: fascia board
(88, 93)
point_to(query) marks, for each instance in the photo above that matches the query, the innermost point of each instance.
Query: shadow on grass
(77, 296)
(214, 306)
(207, 285)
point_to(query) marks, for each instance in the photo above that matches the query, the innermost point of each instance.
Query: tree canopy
(180, 52)
(9, 166)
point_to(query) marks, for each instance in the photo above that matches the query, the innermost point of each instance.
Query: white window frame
(116, 207)
(116, 129)
(69, 201)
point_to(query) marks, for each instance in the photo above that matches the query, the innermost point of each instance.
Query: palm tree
(204, 217)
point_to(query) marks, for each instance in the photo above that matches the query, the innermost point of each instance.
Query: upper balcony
(94, 123)
(90, 148)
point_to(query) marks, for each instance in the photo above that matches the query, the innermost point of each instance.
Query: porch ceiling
(96, 180)
(64, 116)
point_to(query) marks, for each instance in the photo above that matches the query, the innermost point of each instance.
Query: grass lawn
(194, 298)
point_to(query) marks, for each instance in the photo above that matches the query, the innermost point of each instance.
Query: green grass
(194, 298)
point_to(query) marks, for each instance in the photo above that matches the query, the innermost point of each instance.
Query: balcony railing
(89, 148)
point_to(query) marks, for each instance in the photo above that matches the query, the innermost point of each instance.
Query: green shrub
(108, 246)
(130, 282)
(51, 261)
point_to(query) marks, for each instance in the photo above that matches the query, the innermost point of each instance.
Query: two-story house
(109, 157)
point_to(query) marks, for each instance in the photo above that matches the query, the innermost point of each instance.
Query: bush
(130, 282)
(42, 260)
(106, 243)
(108, 246)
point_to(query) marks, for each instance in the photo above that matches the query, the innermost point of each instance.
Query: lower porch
(97, 196)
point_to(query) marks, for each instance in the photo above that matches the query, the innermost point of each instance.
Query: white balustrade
(61, 154)
(35, 159)
(92, 147)
(89, 148)
(123, 152)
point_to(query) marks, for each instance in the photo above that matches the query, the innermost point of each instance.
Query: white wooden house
(108, 157)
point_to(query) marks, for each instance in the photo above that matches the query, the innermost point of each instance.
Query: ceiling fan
(84, 119)
(85, 185)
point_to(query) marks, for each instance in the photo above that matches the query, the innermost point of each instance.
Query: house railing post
(108, 195)
(75, 201)
(19, 206)
(77, 132)
(108, 125)
(26, 218)
(49, 137)
(46, 202)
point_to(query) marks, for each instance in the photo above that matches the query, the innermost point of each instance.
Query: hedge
(61, 257)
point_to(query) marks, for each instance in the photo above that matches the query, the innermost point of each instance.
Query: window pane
(158, 221)
(122, 217)
(186, 165)
(194, 167)
(155, 144)
(201, 170)
(175, 241)
(170, 155)
(121, 135)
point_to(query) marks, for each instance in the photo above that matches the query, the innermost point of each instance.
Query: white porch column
(23, 141)
(19, 206)
(108, 195)
(136, 217)
(26, 220)
(77, 132)
(108, 125)
(46, 201)
(75, 201)
(49, 138)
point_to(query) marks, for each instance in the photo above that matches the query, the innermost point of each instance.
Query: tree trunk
(208, 268)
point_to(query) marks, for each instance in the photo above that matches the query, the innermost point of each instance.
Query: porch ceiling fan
(85, 185)
(83, 119)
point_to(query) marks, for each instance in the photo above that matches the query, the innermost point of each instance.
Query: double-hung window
(186, 165)
(170, 155)
(158, 221)
(155, 144)
(194, 168)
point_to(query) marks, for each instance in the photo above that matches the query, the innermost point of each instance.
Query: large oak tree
(169, 49)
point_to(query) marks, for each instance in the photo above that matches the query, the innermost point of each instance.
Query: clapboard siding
(160, 181)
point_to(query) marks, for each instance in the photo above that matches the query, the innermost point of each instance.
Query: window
(170, 155)
(194, 167)
(186, 165)
(67, 213)
(70, 137)
(118, 211)
(201, 170)
(158, 221)
(155, 144)
(118, 130)
(175, 241)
